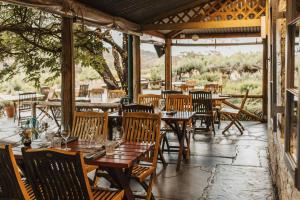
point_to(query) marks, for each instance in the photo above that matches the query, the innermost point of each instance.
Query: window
(292, 128)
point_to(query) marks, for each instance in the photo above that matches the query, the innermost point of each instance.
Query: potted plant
(9, 108)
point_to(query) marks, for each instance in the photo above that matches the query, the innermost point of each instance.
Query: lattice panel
(219, 10)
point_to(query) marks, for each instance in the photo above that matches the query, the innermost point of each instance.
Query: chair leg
(242, 127)
(213, 126)
(229, 125)
(238, 127)
(162, 158)
(148, 188)
(219, 118)
(165, 141)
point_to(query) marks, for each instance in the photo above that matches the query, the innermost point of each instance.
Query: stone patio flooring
(231, 167)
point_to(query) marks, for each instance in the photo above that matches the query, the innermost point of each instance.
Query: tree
(32, 39)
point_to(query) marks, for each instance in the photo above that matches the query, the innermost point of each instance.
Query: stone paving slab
(240, 183)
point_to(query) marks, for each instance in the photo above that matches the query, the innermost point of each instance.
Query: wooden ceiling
(139, 11)
(165, 18)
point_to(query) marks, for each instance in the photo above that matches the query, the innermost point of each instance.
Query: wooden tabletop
(178, 116)
(80, 104)
(126, 155)
(220, 97)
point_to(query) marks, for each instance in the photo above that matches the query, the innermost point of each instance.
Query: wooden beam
(218, 35)
(136, 67)
(130, 68)
(155, 34)
(173, 34)
(216, 44)
(265, 80)
(67, 72)
(204, 25)
(168, 64)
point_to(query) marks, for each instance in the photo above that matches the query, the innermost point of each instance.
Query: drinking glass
(56, 142)
(99, 140)
(110, 147)
(91, 133)
(65, 134)
(162, 104)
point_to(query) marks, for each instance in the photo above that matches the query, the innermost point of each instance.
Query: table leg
(122, 179)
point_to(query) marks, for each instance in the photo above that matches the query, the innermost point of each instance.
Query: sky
(225, 50)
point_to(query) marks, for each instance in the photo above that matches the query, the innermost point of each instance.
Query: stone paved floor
(231, 167)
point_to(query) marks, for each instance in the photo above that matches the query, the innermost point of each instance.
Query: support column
(168, 64)
(130, 68)
(265, 80)
(67, 72)
(136, 67)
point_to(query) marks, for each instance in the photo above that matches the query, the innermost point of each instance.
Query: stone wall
(280, 174)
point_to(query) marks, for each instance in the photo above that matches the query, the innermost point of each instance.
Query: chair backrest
(212, 87)
(84, 121)
(149, 99)
(56, 174)
(184, 87)
(28, 96)
(202, 102)
(244, 100)
(116, 94)
(11, 185)
(165, 93)
(143, 127)
(45, 91)
(179, 102)
(83, 90)
(137, 108)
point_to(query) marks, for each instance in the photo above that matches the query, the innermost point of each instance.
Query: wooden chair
(137, 108)
(143, 127)
(57, 174)
(45, 109)
(202, 105)
(45, 91)
(116, 94)
(24, 108)
(234, 114)
(83, 90)
(165, 93)
(147, 109)
(149, 99)
(11, 184)
(83, 121)
(184, 87)
(212, 87)
(179, 102)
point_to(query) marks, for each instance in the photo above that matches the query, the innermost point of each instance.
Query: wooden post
(168, 64)
(136, 67)
(130, 68)
(265, 80)
(67, 72)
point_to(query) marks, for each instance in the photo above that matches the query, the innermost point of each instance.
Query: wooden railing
(248, 114)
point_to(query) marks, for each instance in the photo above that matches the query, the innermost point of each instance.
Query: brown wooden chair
(11, 184)
(181, 102)
(165, 93)
(44, 110)
(212, 87)
(202, 105)
(137, 108)
(217, 105)
(143, 127)
(25, 107)
(57, 174)
(116, 94)
(149, 99)
(234, 114)
(83, 121)
(184, 87)
(147, 109)
(83, 90)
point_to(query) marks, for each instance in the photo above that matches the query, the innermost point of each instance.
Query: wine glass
(65, 134)
(162, 104)
(91, 133)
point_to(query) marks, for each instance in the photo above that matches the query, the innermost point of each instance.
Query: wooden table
(118, 166)
(220, 97)
(178, 122)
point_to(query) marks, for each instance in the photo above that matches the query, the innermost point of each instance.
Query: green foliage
(155, 73)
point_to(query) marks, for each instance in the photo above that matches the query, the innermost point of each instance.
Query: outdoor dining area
(178, 141)
(116, 141)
